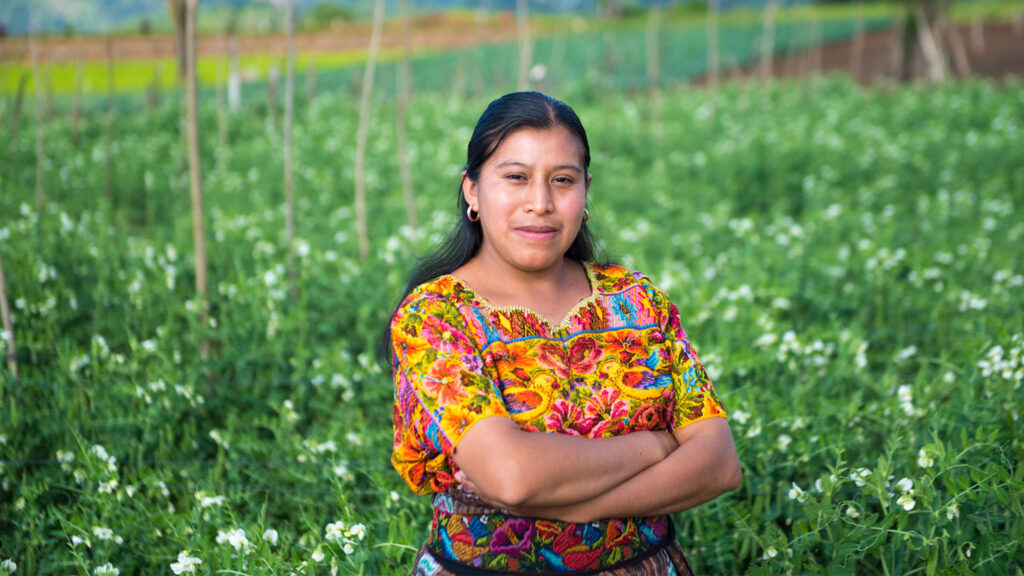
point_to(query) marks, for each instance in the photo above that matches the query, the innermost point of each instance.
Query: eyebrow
(572, 167)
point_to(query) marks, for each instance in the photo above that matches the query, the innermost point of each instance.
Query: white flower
(8, 567)
(852, 512)
(270, 535)
(771, 552)
(797, 493)
(236, 538)
(106, 570)
(905, 485)
(784, 441)
(186, 564)
(357, 531)
(952, 511)
(754, 430)
(76, 540)
(860, 476)
(818, 484)
(335, 531)
(318, 555)
(103, 533)
(108, 487)
(907, 501)
(906, 353)
(923, 460)
(348, 547)
(208, 501)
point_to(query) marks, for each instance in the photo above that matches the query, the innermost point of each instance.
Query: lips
(537, 232)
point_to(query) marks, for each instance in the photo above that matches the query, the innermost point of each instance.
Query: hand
(665, 443)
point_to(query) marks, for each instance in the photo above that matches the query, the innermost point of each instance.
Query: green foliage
(848, 262)
(326, 14)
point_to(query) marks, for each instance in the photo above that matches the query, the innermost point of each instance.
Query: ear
(469, 191)
(589, 178)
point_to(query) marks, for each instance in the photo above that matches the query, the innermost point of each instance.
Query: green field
(847, 261)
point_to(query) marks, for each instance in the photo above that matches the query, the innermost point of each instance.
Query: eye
(564, 180)
(516, 177)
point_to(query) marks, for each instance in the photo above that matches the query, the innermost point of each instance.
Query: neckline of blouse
(480, 301)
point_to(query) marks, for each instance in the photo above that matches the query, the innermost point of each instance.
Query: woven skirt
(669, 561)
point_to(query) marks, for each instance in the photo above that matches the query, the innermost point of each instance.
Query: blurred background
(208, 210)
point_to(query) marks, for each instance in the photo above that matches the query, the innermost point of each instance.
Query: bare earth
(994, 50)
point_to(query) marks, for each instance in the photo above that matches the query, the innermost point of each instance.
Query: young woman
(552, 406)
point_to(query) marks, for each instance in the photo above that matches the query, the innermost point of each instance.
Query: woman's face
(530, 196)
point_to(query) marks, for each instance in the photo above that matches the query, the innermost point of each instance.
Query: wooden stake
(714, 55)
(977, 36)
(525, 46)
(108, 161)
(289, 181)
(960, 59)
(8, 324)
(195, 170)
(234, 76)
(400, 108)
(768, 40)
(364, 121)
(16, 113)
(40, 152)
(76, 99)
(857, 51)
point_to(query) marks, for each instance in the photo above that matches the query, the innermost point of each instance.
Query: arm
(514, 468)
(703, 467)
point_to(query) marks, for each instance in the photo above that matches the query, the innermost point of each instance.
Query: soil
(993, 50)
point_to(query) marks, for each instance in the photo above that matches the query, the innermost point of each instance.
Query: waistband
(469, 537)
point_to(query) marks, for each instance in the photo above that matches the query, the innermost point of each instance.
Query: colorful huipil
(618, 362)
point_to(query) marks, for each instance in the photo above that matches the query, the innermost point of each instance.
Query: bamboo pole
(109, 157)
(289, 180)
(76, 98)
(525, 46)
(40, 151)
(234, 76)
(195, 170)
(956, 42)
(8, 325)
(768, 40)
(222, 115)
(977, 36)
(16, 113)
(400, 108)
(714, 54)
(364, 121)
(857, 50)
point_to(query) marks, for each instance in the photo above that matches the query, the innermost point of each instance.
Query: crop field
(849, 263)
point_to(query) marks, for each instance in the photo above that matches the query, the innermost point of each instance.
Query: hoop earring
(586, 215)
(472, 215)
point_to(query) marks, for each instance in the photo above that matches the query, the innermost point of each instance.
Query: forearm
(548, 470)
(703, 467)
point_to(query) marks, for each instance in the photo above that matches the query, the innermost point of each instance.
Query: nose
(538, 197)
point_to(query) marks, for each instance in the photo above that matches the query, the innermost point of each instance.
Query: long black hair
(502, 117)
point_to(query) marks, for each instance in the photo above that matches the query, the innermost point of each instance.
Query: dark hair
(502, 117)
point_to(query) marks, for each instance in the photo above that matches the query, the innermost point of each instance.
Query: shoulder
(612, 278)
(436, 298)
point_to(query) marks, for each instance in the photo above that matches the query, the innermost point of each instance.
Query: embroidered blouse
(618, 362)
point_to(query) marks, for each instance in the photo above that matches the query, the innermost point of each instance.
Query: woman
(511, 329)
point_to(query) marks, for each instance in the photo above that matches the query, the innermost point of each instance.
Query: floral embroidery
(619, 362)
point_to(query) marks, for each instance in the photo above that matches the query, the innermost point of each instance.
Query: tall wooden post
(714, 54)
(76, 98)
(195, 171)
(525, 46)
(8, 325)
(289, 181)
(108, 161)
(364, 121)
(40, 151)
(401, 106)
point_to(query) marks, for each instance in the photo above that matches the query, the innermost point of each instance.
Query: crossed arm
(582, 479)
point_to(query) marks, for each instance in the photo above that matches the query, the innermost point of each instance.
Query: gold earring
(586, 215)
(472, 215)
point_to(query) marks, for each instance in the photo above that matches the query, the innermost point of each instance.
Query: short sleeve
(441, 389)
(694, 396)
